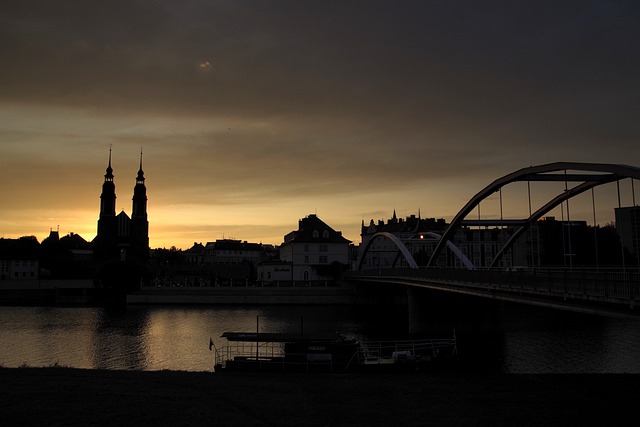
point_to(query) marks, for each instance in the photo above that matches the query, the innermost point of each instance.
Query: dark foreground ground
(62, 397)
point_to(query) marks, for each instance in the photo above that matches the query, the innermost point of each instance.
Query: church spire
(108, 177)
(140, 195)
(139, 231)
(140, 178)
(105, 245)
(108, 196)
(417, 227)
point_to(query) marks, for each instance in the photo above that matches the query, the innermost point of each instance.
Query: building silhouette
(119, 237)
(313, 252)
(628, 228)
(19, 259)
(421, 236)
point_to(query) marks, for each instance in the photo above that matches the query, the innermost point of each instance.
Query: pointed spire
(109, 175)
(417, 227)
(140, 178)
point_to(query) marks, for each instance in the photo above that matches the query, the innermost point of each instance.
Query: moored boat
(405, 354)
(272, 352)
(246, 351)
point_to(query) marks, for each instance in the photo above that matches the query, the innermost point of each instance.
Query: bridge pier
(379, 294)
(415, 308)
(437, 312)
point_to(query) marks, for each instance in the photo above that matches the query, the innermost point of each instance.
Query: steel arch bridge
(406, 253)
(587, 175)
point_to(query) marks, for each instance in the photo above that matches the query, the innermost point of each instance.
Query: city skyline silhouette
(255, 115)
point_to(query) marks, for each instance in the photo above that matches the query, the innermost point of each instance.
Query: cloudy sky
(254, 114)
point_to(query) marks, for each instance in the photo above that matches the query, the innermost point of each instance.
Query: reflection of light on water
(39, 336)
(547, 341)
(621, 341)
(177, 338)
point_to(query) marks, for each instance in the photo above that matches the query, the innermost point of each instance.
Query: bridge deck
(608, 293)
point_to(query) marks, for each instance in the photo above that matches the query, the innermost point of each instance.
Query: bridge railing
(607, 285)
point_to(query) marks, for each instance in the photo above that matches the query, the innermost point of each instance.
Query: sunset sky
(254, 114)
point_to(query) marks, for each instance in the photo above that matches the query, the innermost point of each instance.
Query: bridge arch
(597, 174)
(402, 248)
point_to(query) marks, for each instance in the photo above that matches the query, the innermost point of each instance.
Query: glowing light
(205, 66)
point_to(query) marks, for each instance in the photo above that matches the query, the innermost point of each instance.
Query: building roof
(312, 229)
(197, 248)
(74, 241)
(19, 249)
(235, 245)
(123, 215)
(411, 224)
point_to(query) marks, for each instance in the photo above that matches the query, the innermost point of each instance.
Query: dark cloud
(241, 101)
(466, 59)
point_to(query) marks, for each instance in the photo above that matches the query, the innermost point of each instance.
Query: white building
(19, 259)
(314, 252)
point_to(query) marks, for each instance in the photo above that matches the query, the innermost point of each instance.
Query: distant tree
(29, 238)
(171, 256)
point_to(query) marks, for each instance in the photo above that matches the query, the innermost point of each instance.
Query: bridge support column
(414, 311)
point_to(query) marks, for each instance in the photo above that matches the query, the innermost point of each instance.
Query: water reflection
(40, 336)
(491, 337)
(119, 340)
(548, 341)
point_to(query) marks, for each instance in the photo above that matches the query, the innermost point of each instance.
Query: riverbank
(83, 293)
(242, 296)
(61, 396)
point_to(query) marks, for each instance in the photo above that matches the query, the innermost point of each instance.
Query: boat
(405, 354)
(275, 352)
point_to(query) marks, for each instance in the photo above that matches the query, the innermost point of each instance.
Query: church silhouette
(119, 237)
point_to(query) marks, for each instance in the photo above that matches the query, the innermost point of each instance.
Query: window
(315, 234)
(306, 259)
(325, 234)
(324, 248)
(323, 259)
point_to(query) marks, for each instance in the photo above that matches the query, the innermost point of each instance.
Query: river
(513, 339)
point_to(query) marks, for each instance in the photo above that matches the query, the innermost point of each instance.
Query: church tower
(106, 242)
(139, 223)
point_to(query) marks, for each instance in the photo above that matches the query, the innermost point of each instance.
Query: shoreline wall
(243, 295)
(70, 292)
(46, 284)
